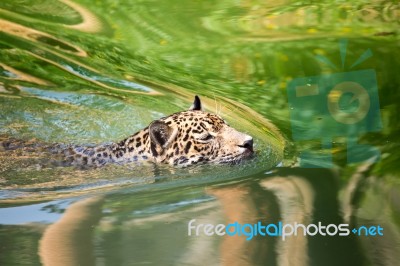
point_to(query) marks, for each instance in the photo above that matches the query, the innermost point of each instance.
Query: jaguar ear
(161, 134)
(196, 106)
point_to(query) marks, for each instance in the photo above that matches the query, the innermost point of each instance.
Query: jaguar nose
(248, 144)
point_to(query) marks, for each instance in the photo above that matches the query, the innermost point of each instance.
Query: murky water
(95, 72)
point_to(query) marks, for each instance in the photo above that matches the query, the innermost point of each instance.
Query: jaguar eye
(207, 136)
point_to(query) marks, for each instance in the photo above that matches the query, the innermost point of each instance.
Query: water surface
(82, 72)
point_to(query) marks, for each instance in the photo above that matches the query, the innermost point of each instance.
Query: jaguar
(181, 139)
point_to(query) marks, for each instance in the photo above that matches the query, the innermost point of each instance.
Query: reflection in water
(42, 37)
(303, 196)
(146, 222)
(290, 195)
(246, 203)
(90, 22)
(52, 50)
(135, 226)
(69, 240)
(310, 196)
(296, 198)
(15, 74)
(380, 205)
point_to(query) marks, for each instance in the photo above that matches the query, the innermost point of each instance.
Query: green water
(95, 72)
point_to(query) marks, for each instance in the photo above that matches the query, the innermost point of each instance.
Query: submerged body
(181, 139)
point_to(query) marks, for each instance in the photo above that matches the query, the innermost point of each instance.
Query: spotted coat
(181, 139)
